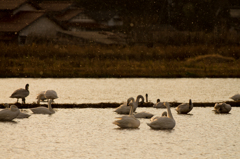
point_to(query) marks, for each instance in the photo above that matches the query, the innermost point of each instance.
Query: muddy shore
(112, 105)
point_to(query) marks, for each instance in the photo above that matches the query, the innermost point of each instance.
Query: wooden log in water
(112, 105)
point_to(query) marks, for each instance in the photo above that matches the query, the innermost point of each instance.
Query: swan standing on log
(20, 115)
(128, 121)
(158, 104)
(236, 97)
(185, 108)
(9, 114)
(164, 122)
(21, 93)
(50, 95)
(40, 97)
(125, 109)
(222, 108)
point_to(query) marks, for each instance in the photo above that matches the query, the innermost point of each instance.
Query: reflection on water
(82, 90)
(89, 133)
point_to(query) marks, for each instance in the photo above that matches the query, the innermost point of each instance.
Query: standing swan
(158, 104)
(185, 108)
(20, 115)
(163, 122)
(40, 97)
(125, 109)
(49, 94)
(9, 114)
(128, 121)
(222, 108)
(21, 93)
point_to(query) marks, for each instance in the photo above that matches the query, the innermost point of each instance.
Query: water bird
(156, 117)
(128, 121)
(20, 115)
(222, 108)
(40, 97)
(159, 104)
(143, 115)
(50, 95)
(235, 97)
(9, 114)
(184, 108)
(125, 109)
(163, 122)
(21, 93)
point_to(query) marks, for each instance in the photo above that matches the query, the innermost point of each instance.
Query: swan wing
(236, 97)
(8, 115)
(159, 105)
(127, 122)
(50, 94)
(20, 93)
(123, 109)
(41, 110)
(143, 115)
(22, 115)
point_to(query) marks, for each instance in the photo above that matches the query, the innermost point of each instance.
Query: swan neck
(138, 98)
(131, 110)
(49, 105)
(169, 113)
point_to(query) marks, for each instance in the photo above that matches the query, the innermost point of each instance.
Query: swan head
(158, 100)
(190, 102)
(13, 108)
(164, 113)
(130, 100)
(27, 86)
(6, 105)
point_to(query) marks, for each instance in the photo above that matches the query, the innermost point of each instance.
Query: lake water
(82, 90)
(89, 133)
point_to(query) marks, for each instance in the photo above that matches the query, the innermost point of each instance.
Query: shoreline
(115, 105)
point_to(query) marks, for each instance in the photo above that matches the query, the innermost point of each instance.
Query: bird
(184, 108)
(222, 108)
(50, 95)
(158, 104)
(163, 122)
(43, 110)
(146, 97)
(9, 114)
(20, 115)
(125, 109)
(21, 93)
(236, 97)
(128, 121)
(40, 97)
(156, 117)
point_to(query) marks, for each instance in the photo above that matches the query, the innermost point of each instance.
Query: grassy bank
(114, 61)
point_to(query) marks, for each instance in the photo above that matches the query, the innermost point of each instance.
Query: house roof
(54, 5)
(11, 4)
(19, 21)
(69, 14)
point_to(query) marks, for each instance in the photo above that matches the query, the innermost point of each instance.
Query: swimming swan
(21, 93)
(222, 108)
(43, 110)
(128, 121)
(236, 97)
(9, 114)
(143, 115)
(20, 115)
(156, 117)
(125, 109)
(158, 104)
(164, 122)
(185, 108)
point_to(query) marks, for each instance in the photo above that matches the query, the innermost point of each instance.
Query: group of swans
(131, 121)
(12, 112)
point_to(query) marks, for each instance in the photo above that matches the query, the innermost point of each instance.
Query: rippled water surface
(82, 90)
(89, 133)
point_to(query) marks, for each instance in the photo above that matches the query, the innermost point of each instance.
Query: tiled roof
(68, 15)
(19, 21)
(54, 5)
(11, 4)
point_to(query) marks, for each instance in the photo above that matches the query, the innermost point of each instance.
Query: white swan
(222, 108)
(9, 114)
(156, 117)
(185, 108)
(40, 97)
(236, 97)
(125, 109)
(158, 104)
(43, 110)
(21, 93)
(128, 121)
(163, 122)
(20, 115)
